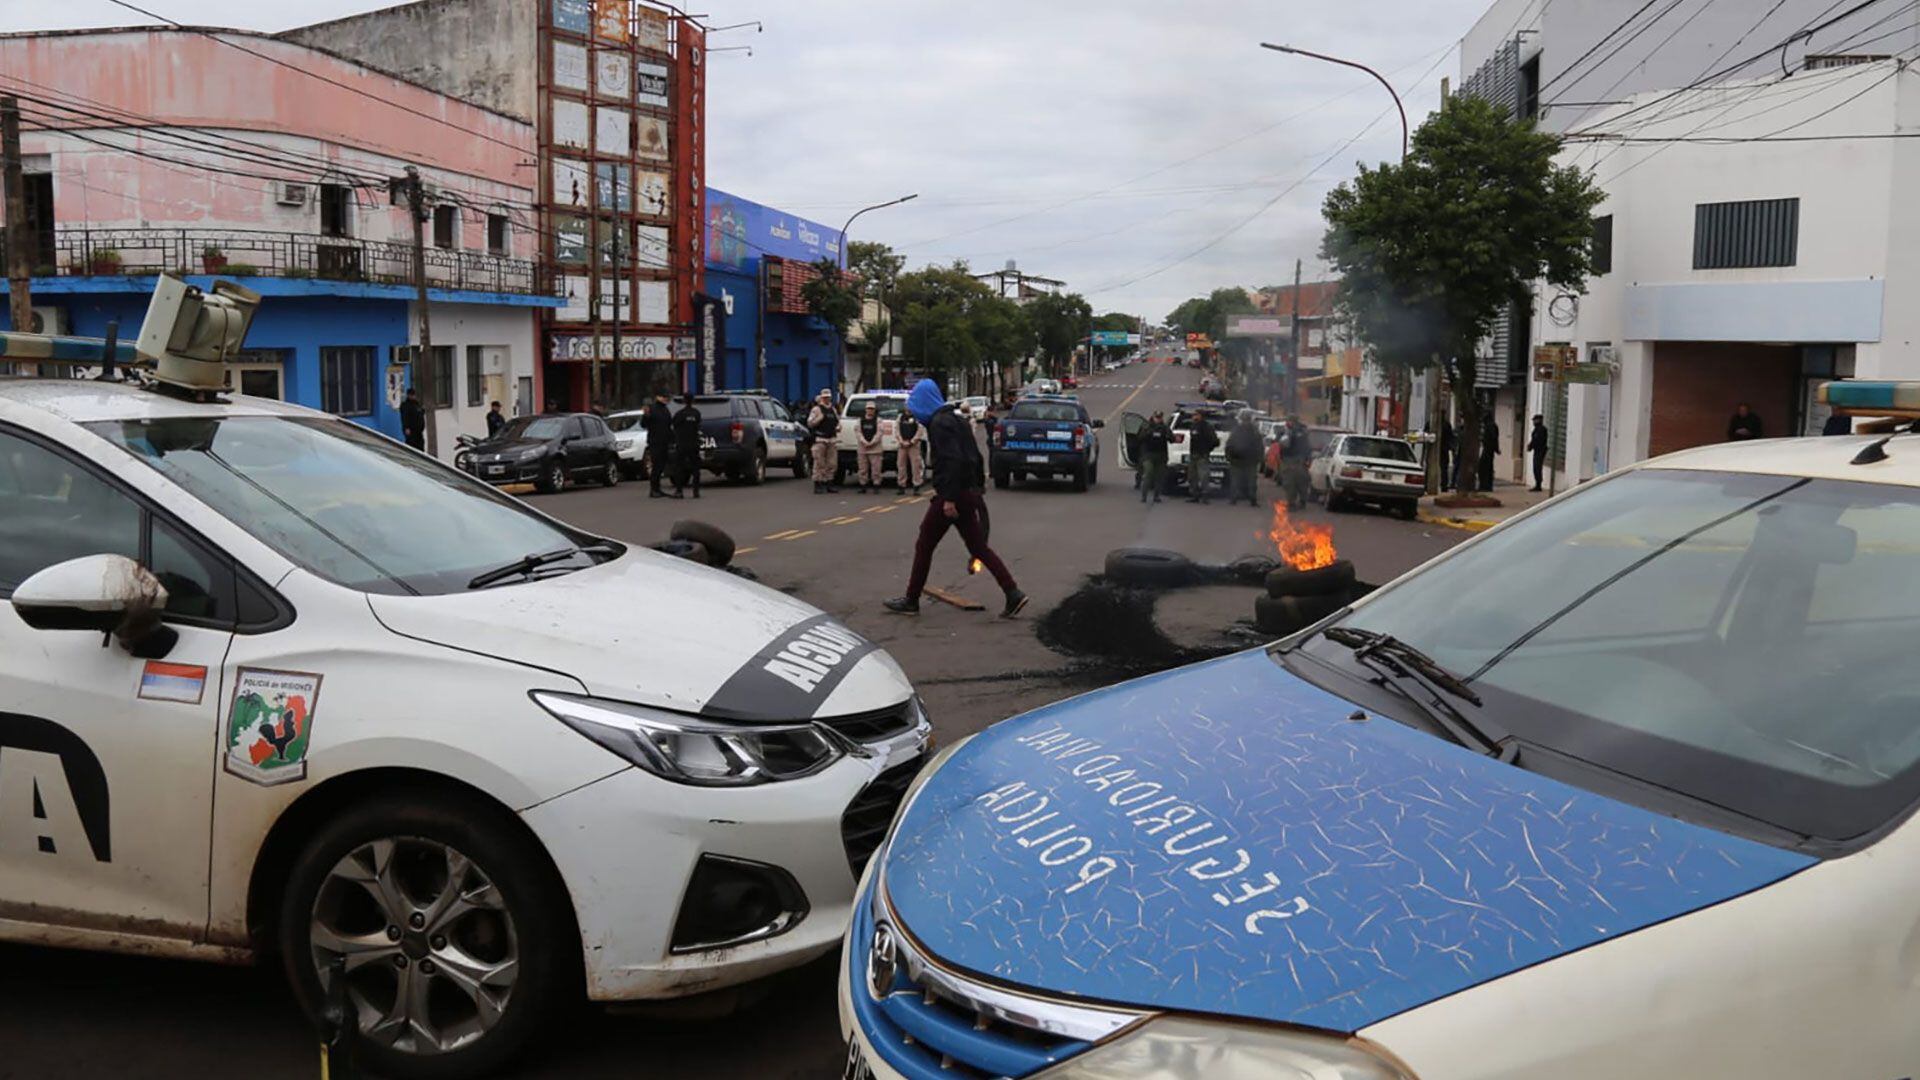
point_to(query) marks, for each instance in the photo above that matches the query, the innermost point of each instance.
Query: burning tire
(719, 545)
(1149, 566)
(686, 549)
(1334, 580)
(1283, 615)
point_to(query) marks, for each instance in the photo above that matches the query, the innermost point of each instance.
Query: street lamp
(1404, 139)
(845, 261)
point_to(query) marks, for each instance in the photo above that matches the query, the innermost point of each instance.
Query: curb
(1463, 524)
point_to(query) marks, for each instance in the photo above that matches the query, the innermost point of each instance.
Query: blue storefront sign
(739, 231)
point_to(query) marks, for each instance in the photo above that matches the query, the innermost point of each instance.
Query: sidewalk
(1513, 499)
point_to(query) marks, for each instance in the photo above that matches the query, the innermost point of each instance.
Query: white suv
(272, 684)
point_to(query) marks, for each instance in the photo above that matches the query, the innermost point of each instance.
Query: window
(346, 380)
(1054, 412)
(1367, 446)
(1530, 89)
(497, 234)
(336, 217)
(1762, 232)
(476, 390)
(443, 376)
(443, 225)
(1603, 244)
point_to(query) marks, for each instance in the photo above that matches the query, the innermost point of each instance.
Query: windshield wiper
(1392, 657)
(524, 567)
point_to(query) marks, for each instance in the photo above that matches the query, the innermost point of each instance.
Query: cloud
(1028, 128)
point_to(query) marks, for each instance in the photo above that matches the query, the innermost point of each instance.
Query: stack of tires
(1296, 599)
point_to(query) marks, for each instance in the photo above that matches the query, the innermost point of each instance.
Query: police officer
(1154, 440)
(1296, 453)
(1244, 450)
(686, 448)
(909, 466)
(658, 424)
(1200, 461)
(872, 452)
(823, 423)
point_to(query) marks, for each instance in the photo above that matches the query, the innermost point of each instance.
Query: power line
(1571, 68)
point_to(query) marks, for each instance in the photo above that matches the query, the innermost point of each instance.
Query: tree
(877, 267)
(1117, 322)
(1060, 322)
(1208, 314)
(1432, 250)
(833, 297)
(932, 310)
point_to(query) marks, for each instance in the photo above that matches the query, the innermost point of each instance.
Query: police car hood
(660, 631)
(1224, 839)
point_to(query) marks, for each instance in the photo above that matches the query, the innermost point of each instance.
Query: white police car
(1623, 787)
(274, 685)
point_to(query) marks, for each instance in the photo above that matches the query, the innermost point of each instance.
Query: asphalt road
(79, 1016)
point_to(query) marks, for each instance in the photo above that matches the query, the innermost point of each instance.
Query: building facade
(758, 261)
(269, 162)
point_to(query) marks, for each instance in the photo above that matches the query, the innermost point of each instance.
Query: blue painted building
(800, 351)
(328, 345)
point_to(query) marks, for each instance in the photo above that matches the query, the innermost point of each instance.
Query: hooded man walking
(959, 500)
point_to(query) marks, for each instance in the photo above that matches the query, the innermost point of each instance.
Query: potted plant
(104, 261)
(212, 259)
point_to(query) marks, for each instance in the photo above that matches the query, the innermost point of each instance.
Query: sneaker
(1016, 603)
(902, 606)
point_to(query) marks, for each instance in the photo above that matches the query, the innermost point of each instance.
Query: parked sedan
(1369, 469)
(548, 451)
(630, 440)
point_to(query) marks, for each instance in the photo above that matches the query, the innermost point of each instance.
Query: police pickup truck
(1046, 435)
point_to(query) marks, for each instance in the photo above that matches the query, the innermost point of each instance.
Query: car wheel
(1019, 477)
(757, 468)
(1334, 579)
(719, 545)
(553, 477)
(1408, 510)
(802, 462)
(450, 928)
(1093, 474)
(1080, 478)
(1149, 566)
(1001, 480)
(612, 477)
(1336, 502)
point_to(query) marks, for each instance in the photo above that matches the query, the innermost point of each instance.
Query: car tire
(612, 477)
(1001, 480)
(553, 478)
(720, 546)
(1080, 478)
(1150, 567)
(387, 852)
(1334, 580)
(1283, 615)
(757, 468)
(685, 549)
(1409, 510)
(1019, 477)
(802, 462)
(1336, 502)
(1093, 474)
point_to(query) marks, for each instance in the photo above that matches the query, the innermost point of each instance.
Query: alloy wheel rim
(427, 946)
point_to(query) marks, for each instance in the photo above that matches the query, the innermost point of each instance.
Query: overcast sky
(1103, 143)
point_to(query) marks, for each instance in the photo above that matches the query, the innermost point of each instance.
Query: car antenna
(107, 353)
(1875, 451)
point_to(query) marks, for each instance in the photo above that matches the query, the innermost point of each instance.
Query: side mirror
(1099, 423)
(109, 594)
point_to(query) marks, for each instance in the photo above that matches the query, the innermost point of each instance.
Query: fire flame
(976, 566)
(1303, 547)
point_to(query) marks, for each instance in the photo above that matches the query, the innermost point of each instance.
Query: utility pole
(1293, 372)
(19, 263)
(619, 287)
(423, 366)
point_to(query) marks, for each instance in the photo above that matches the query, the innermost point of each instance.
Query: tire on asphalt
(553, 478)
(802, 462)
(720, 546)
(612, 477)
(1333, 580)
(1001, 480)
(1080, 481)
(1408, 510)
(1149, 566)
(685, 549)
(533, 902)
(1284, 615)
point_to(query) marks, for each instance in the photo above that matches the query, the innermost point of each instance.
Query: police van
(1622, 787)
(275, 686)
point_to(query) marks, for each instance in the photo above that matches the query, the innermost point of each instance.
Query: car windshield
(535, 427)
(349, 505)
(1044, 410)
(1740, 639)
(887, 408)
(1367, 446)
(625, 421)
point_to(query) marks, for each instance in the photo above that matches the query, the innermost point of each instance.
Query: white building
(1754, 240)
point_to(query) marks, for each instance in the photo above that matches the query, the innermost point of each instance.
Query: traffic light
(190, 335)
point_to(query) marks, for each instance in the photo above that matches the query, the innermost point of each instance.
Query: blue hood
(1223, 839)
(925, 400)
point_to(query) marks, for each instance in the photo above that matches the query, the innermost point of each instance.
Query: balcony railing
(83, 252)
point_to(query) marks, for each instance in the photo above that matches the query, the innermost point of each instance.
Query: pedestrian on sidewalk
(959, 501)
(1744, 425)
(413, 421)
(823, 423)
(658, 424)
(1154, 440)
(1296, 453)
(686, 448)
(1245, 448)
(1489, 449)
(1537, 444)
(1447, 453)
(495, 421)
(909, 466)
(872, 451)
(1204, 442)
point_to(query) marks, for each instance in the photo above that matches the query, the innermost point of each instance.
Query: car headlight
(531, 452)
(696, 750)
(1183, 1048)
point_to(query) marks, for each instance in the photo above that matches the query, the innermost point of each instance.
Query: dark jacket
(1744, 427)
(1245, 446)
(1489, 438)
(1538, 443)
(1837, 424)
(686, 431)
(1154, 440)
(413, 418)
(659, 426)
(495, 422)
(957, 468)
(1205, 439)
(906, 429)
(1299, 445)
(823, 422)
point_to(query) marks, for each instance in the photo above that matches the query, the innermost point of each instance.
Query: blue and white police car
(1623, 787)
(1047, 435)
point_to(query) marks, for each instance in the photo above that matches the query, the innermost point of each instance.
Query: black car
(547, 451)
(742, 431)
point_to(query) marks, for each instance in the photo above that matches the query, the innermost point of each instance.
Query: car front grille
(864, 825)
(876, 726)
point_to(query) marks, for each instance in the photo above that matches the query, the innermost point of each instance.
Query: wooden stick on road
(955, 599)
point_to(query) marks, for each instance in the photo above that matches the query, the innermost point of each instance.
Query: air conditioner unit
(49, 320)
(290, 194)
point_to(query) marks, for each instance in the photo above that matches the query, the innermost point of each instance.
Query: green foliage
(1208, 314)
(876, 265)
(832, 296)
(1432, 250)
(1060, 322)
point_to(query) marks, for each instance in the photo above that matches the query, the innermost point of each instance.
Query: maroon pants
(971, 521)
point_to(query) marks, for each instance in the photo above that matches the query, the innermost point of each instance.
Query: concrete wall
(480, 51)
(506, 340)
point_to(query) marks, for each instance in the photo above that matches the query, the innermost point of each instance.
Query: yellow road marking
(800, 535)
(904, 500)
(787, 535)
(843, 520)
(745, 551)
(883, 510)
(1122, 407)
